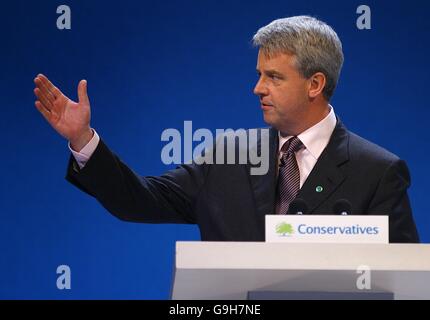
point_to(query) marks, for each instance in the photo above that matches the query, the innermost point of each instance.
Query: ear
(317, 83)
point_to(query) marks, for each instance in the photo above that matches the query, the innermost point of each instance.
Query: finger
(48, 94)
(48, 84)
(45, 112)
(82, 92)
(42, 98)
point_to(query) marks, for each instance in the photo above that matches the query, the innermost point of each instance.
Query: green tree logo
(284, 229)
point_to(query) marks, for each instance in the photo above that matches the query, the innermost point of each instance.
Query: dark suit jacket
(229, 204)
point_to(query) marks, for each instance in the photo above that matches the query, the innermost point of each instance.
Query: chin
(270, 120)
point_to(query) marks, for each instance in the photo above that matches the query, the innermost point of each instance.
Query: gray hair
(314, 43)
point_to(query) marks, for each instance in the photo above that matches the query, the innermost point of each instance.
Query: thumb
(82, 92)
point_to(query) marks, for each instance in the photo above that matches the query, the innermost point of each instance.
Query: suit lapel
(327, 176)
(264, 186)
(324, 179)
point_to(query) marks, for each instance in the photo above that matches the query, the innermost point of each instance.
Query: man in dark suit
(312, 155)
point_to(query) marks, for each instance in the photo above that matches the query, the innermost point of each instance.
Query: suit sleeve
(391, 198)
(169, 198)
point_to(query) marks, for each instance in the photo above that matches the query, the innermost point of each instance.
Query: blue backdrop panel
(151, 65)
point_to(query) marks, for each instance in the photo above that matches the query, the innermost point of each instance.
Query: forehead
(277, 61)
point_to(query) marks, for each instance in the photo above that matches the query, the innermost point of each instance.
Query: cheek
(290, 97)
(283, 98)
(288, 103)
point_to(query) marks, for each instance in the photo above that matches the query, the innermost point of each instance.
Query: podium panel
(243, 270)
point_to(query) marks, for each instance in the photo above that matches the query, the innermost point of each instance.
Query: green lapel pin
(319, 189)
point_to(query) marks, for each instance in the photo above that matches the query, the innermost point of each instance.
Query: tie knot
(291, 146)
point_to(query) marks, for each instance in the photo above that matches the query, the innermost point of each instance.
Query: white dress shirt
(315, 139)
(85, 154)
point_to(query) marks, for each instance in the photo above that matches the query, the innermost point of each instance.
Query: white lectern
(243, 270)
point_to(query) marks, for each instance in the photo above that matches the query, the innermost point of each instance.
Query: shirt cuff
(85, 154)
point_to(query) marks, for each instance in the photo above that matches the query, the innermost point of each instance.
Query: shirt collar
(316, 138)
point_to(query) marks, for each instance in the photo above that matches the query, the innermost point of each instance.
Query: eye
(275, 77)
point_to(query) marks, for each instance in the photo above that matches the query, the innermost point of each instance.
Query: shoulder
(362, 149)
(363, 159)
(371, 161)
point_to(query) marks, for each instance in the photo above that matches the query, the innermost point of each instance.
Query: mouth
(266, 106)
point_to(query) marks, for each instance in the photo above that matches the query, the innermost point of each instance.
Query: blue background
(151, 65)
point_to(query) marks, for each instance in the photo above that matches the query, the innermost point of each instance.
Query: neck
(311, 118)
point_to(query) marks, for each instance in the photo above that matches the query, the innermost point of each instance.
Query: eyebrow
(270, 72)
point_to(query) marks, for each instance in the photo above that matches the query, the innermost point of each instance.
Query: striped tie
(289, 175)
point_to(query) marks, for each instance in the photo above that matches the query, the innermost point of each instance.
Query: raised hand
(68, 118)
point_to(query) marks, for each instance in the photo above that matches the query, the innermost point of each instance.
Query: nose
(260, 88)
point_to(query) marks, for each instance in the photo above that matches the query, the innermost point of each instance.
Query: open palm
(69, 118)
